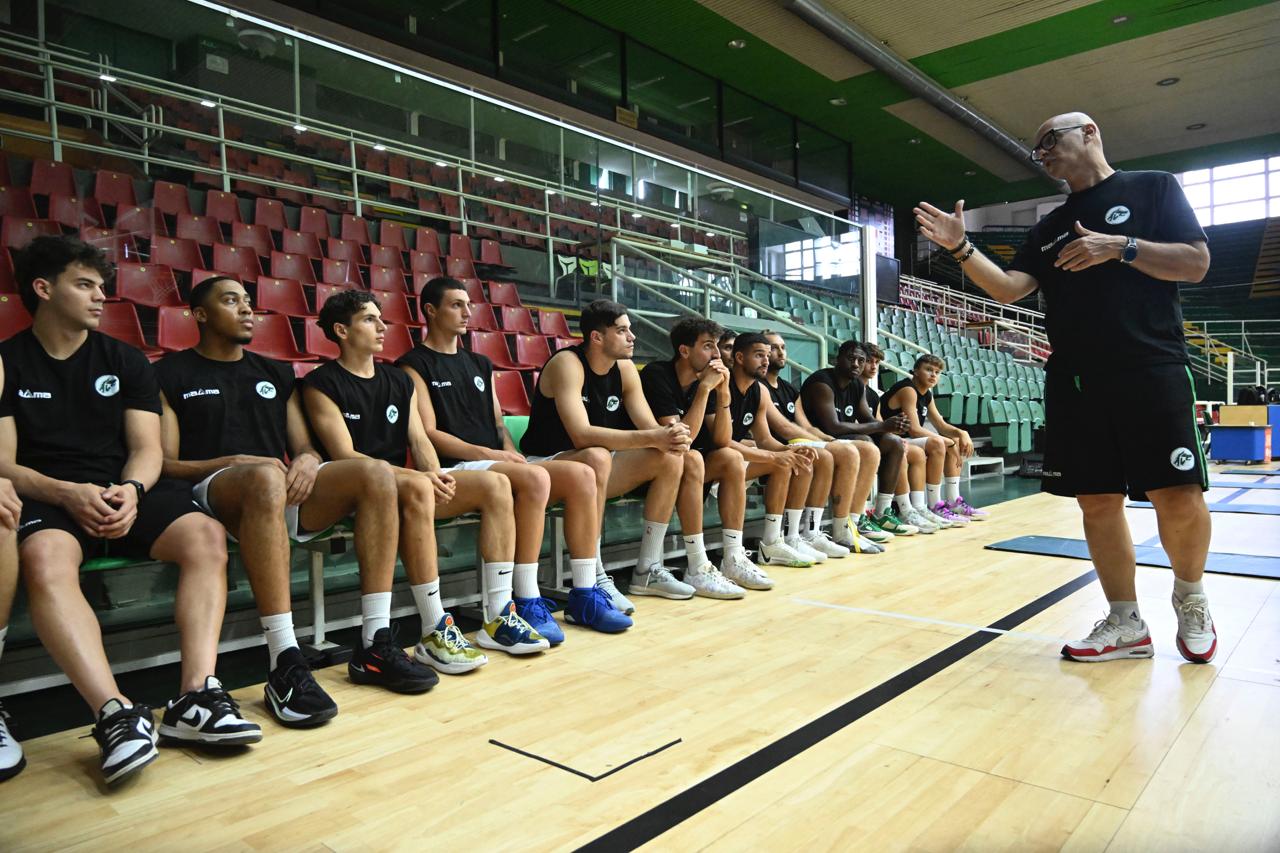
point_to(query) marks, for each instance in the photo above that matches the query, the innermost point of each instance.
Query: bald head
(1068, 120)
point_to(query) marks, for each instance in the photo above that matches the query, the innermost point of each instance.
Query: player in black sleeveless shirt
(359, 407)
(463, 420)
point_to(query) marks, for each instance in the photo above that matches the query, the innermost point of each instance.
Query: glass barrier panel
(548, 48)
(757, 133)
(673, 100)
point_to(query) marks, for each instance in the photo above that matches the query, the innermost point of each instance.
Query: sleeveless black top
(601, 395)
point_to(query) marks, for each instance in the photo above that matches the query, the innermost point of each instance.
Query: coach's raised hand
(944, 229)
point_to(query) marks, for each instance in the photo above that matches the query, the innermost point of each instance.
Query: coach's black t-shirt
(601, 395)
(228, 407)
(922, 402)
(846, 399)
(376, 410)
(1112, 314)
(461, 389)
(69, 413)
(873, 400)
(743, 407)
(785, 397)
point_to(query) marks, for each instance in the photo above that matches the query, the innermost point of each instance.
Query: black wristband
(967, 255)
(959, 245)
(142, 490)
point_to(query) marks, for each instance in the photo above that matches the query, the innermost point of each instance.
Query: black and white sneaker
(294, 697)
(11, 758)
(385, 664)
(127, 738)
(208, 716)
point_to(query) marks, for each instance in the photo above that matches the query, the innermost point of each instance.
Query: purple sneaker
(944, 511)
(959, 507)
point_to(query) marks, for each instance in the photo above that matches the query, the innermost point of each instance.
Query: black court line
(586, 776)
(645, 827)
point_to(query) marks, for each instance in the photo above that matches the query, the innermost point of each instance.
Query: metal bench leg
(317, 602)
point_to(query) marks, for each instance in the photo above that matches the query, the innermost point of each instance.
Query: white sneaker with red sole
(1197, 638)
(1111, 640)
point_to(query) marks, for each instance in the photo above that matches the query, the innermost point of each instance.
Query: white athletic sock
(497, 578)
(695, 548)
(815, 519)
(4, 632)
(772, 529)
(1126, 612)
(651, 545)
(950, 488)
(903, 503)
(932, 494)
(917, 500)
(375, 610)
(278, 631)
(1181, 589)
(731, 541)
(601, 574)
(882, 503)
(793, 524)
(430, 607)
(526, 581)
(584, 572)
(840, 527)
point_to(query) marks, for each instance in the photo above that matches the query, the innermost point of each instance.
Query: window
(823, 258)
(1234, 192)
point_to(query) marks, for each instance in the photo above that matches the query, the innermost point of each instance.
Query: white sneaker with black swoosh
(126, 738)
(208, 715)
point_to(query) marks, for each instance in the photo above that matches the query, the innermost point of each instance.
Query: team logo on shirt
(747, 419)
(1182, 459)
(848, 411)
(791, 407)
(27, 394)
(108, 385)
(612, 403)
(479, 380)
(1117, 214)
(393, 414)
(266, 390)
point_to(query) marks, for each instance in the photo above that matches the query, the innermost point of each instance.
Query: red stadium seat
(202, 229)
(76, 213)
(301, 243)
(386, 278)
(517, 320)
(17, 201)
(504, 293)
(273, 337)
(344, 250)
(355, 229)
(532, 349)
(395, 308)
(114, 188)
(13, 316)
(150, 284)
(482, 318)
(315, 343)
(475, 291)
(460, 247)
(395, 342)
(240, 262)
(302, 368)
(313, 220)
(144, 223)
(340, 272)
(297, 267)
(562, 343)
(6, 179)
(509, 386)
(324, 291)
(493, 345)
(387, 256)
(222, 207)
(426, 240)
(117, 247)
(553, 324)
(16, 231)
(120, 321)
(256, 237)
(8, 284)
(460, 268)
(491, 254)
(180, 254)
(170, 198)
(282, 296)
(49, 177)
(426, 263)
(269, 212)
(392, 234)
(176, 329)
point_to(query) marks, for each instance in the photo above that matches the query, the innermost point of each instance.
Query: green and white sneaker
(868, 529)
(891, 523)
(781, 554)
(447, 650)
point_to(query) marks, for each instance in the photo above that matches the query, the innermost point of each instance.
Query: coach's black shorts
(162, 505)
(1126, 432)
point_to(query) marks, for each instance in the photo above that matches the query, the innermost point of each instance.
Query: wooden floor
(1007, 748)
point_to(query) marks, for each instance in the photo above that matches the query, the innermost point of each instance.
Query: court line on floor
(647, 826)
(584, 775)
(924, 619)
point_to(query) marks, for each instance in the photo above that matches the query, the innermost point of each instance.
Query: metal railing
(1008, 326)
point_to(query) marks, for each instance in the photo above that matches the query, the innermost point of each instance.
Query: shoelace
(1103, 630)
(219, 700)
(122, 728)
(393, 654)
(659, 574)
(454, 639)
(6, 726)
(299, 677)
(1197, 610)
(512, 619)
(538, 610)
(597, 599)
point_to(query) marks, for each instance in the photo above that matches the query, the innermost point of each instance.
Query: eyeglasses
(1049, 140)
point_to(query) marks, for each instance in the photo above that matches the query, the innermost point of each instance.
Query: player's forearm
(424, 456)
(985, 273)
(456, 448)
(193, 470)
(697, 414)
(1172, 261)
(751, 453)
(30, 483)
(143, 465)
(612, 439)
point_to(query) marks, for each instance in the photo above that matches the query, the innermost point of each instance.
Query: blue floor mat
(1220, 564)
(1261, 472)
(1219, 485)
(1253, 509)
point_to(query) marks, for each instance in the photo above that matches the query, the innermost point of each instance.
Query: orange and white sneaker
(1111, 639)
(1197, 638)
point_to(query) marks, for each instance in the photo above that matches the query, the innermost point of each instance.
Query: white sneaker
(619, 601)
(660, 582)
(11, 758)
(821, 542)
(781, 554)
(738, 568)
(1111, 639)
(1197, 638)
(857, 542)
(936, 520)
(803, 548)
(919, 522)
(707, 582)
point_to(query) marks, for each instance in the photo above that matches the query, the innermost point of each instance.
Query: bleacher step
(986, 462)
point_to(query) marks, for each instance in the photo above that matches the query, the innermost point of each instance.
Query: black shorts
(162, 505)
(1128, 432)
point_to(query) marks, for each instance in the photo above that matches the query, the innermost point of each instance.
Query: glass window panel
(1197, 195)
(1274, 181)
(1236, 169)
(1205, 215)
(517, 142)
(1241, 212)
(673, 100)
(824, 160)
(757, 133)
(1239, 189)
(1195, 177)
(1273, 163)
(661, 185)
(549, 48)
(1275, 207)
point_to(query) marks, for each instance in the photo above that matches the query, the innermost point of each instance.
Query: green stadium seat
(516, 425)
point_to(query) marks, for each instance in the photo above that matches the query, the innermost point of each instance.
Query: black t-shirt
(743, 407)
(846, 399)
(1112, 313)
(785, 397)
(461, 388)
(666, 397)
(873, 400)
(228, 407)
(601, 395)
(69, 414)
(922, 401)
(376, 410)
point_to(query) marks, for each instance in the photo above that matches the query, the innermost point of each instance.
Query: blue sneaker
(511, 634)
(536, 612)
(591, 608)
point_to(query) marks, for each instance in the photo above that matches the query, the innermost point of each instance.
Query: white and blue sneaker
(127, 739)
(511, 634)
(537, 612)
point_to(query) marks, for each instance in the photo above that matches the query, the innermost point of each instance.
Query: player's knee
(868, 453)
(935, 446)
(695, 468)
(264, 488)
(203, 541)
(497, 493)
(598, 460)
(376, 477)
(1096, 507)
(533, 483)
(581, 480)
(731, 464)
(417, 496)
(826, 459)
(46, 565)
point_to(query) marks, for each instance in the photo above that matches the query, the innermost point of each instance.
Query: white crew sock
(651, 545)
(695, 548)
(1126, 612)
(526, 581)
(840, 527)
(430, 607)
(815, 519)
(772, 529)
(917, 500)
(903, 503)
(584, 572)
(278, 631)
(932, 494)
(882, 502)
(601, 574)
(793, 524)
(1181, 589)
(950, 488)
(375, 610)
(497, 579)
(731, 542)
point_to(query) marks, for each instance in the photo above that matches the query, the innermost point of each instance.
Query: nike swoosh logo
(275, 697)
(502, 574)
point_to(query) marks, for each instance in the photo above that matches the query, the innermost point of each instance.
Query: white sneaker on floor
(11, 758)
(804, 549)
(781, 554)
(708, 582)
(738, 568)
(1197, 638)
(604, 581)
(936, 520)
(1111, 639)
(821, 542)
(659, 582)
(856, 542)
(918, 521)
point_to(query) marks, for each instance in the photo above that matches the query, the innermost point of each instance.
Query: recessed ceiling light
(595, 204)
(711, 233)
(738, 44)
(499, 179)
(1120, 19)
(969, 173)
(1168, 81)
(1199, 125)
(551, 192)
(675, 224)
(301, 128)
(442, 164)
(838, 102)
(207, 103)
(379, 147)
(635, 216)
(915, 140)
(107, 78)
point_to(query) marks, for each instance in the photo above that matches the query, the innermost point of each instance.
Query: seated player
(233, 425)
(690, 389)
(359, 407)
(588, 397)
(11, 758)
(80, 440)
(913, 398)
(848, 478)
(459, 408)
(835, 401)
(725, 344)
